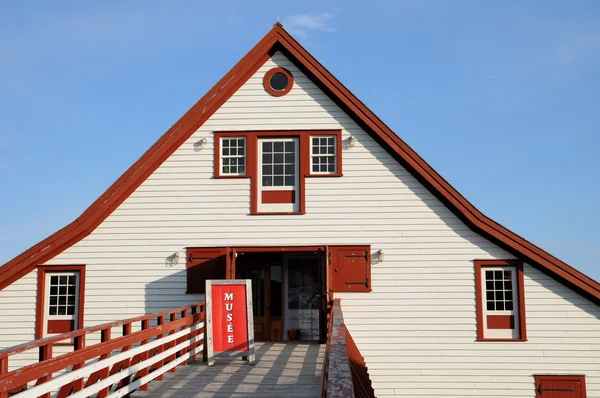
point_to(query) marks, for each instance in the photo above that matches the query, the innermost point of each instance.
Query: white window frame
(279, 207)
(47, 316)
(244, 156)
(501, 333)
(334, 155)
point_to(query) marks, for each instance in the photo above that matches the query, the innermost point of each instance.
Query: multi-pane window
(278, 163)
(62, 295)
(233, 156)
(323, 155)
(500, 300)
(499, 290)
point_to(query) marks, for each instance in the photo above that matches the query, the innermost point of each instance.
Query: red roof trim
(279, 39)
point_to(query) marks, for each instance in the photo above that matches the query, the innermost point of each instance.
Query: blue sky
(501, 97)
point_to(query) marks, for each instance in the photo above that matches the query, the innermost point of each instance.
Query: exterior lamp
(380, 256)
(351, 141)
(200, 144)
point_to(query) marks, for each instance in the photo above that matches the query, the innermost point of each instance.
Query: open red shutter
(203, 264)
(351, 268)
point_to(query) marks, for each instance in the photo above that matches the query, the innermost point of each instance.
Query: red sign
(229, 318)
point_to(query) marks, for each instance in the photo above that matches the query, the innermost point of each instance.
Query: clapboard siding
(416, 329)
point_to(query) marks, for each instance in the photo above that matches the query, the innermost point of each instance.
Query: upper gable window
(277, 164)
(323, 154)
(500, 306)
(278, 81)
(233, 156)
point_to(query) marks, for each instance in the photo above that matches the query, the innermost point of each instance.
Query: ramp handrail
(119, 365)
(337, 375)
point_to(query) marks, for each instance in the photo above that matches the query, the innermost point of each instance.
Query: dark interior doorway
(287, 292)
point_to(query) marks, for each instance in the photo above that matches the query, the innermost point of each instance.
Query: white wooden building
(281, 175)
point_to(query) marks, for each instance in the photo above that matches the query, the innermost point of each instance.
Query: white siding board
(416, 329)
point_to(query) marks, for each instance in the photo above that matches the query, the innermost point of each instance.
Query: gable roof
(277, 39)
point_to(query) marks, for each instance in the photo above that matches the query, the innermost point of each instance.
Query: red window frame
(40, 318)
(267, 82)
(305, 152)
(520, 294)
(539, 379)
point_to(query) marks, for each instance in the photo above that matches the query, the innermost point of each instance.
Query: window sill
(493, 340)
(228, 177)
(324, 175)
(291, 213)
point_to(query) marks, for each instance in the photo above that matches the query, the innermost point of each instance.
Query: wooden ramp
(290, 369)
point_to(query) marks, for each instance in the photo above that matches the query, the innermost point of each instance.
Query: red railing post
(173, 343)
(126, 363)
(45, 354)
(79, 344)
(183, 338)
(3, 370)
(145, 355)
(192, 333)
(160, 321)
(104, 373)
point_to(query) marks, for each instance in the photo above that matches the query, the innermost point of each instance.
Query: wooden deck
(281, 370)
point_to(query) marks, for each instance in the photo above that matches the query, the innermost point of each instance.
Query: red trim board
(278, 39)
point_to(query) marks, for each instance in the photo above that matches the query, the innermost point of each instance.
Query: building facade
(280, 175)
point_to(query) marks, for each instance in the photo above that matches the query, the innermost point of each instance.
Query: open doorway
(287, 292)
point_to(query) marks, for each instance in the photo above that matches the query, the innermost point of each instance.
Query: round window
(278, 82)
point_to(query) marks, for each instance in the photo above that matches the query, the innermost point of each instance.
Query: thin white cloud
(302, 24)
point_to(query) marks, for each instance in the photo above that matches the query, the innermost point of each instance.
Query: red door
(560, 386)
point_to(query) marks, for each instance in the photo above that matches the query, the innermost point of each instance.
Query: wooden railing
(115, 366)
(344, 370)
(337, 376)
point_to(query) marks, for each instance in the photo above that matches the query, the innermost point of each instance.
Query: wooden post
(104, 373)
(172, 317)
(3, 371)
(184, 338)
(193, 334)
(160, 321)
(145, 355)
(45, 354)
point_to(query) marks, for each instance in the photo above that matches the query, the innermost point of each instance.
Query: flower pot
(293, 334)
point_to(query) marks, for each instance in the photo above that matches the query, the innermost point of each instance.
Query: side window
(60, 299)
(500, 306)
(323, 154)
(232, 159)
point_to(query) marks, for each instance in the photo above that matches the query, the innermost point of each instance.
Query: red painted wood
(173, 343)
(361, 380)
(545, 384)
(145, 355)
(72, 335)
(43, 370)
(203, 264)
(278, 197)
(56, 326)
(500, 321)
(351, 268)
(45, 355)
(3, 371)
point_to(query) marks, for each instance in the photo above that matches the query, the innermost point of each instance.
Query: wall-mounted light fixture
(200, 144)
(351, 142)
(380, 255)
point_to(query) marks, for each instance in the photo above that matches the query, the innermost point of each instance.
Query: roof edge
(207, 105)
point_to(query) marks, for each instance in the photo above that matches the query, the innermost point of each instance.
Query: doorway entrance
(287, 292)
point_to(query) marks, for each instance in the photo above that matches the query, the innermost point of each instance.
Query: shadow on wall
(169, 292)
